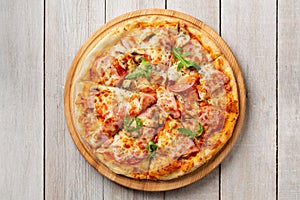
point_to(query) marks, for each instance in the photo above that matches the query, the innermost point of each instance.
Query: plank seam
(89, 15)
(276, 99)
(105, 11)
(44, 101)
(220, 17)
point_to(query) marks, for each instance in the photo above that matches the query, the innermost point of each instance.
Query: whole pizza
(155, 99)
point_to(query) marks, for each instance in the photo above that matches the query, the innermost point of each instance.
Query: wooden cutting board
(148, 185)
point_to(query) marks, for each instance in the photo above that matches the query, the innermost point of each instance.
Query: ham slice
(174, 144)
(185, 83)
(166, 101)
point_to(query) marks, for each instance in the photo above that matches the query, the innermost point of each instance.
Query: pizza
(155, 99)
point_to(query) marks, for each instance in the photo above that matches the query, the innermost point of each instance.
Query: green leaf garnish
(191, 134)
(200, 129)
(143, 70)
(145, 62)
(151, 147)
(186, 132)
(128, 122)
(183, 62)
(184, 54)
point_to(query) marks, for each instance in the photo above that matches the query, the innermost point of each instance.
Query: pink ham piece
(147, 100)
(184, 84)
(166, 101)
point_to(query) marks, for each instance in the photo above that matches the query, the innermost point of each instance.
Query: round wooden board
(147, 185)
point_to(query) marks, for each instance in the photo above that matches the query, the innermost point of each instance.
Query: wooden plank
(21, 113)
(114, 9)
(68, 25)
(208, 12)
(288, 99)
(118, 7)
(249, 27)
(206, 188)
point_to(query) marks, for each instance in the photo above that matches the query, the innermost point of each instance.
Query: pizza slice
(153, 42)
(190, 51)
(127, 153)
(167, 102)
(153, 117)
(145, 77)
(104, 69)
(206, 42)
(219, 108)
(174, 154)
(86, 119)
(100, 110)
(148, 50)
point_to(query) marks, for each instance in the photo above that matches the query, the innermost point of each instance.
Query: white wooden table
(38, 40)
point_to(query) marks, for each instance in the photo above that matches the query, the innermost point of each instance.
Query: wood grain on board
(288, 99)
(249, 27)
(68, 24)
(208, 187)
(21, 112)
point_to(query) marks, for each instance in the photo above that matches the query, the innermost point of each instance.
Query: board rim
(149, 185)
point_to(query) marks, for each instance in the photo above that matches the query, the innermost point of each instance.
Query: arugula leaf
(136, 74)
(128, 122)
(187, 132)
(183, 62)
(200, 129)
(191, 134)
(184, 54)
(138, 122)
(145, 62)
(152, 148)
(141, 71)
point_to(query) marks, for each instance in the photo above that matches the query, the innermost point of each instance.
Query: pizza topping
(128, 84)
(146, 101)
(129, 42)
(214, 84)
(143, 85)
(167, 102)
(138, 102)
(153, 117)
(143, 70)
(99, 139)
(107, 71)
(182, 37)
(200, 55)
(120, 70)
(192, 101)
(212, 118)
(128, 122)
(191, 134)
(185, 83)
(173, 75)
(177, 52)
(173, 143)
(152, 147)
